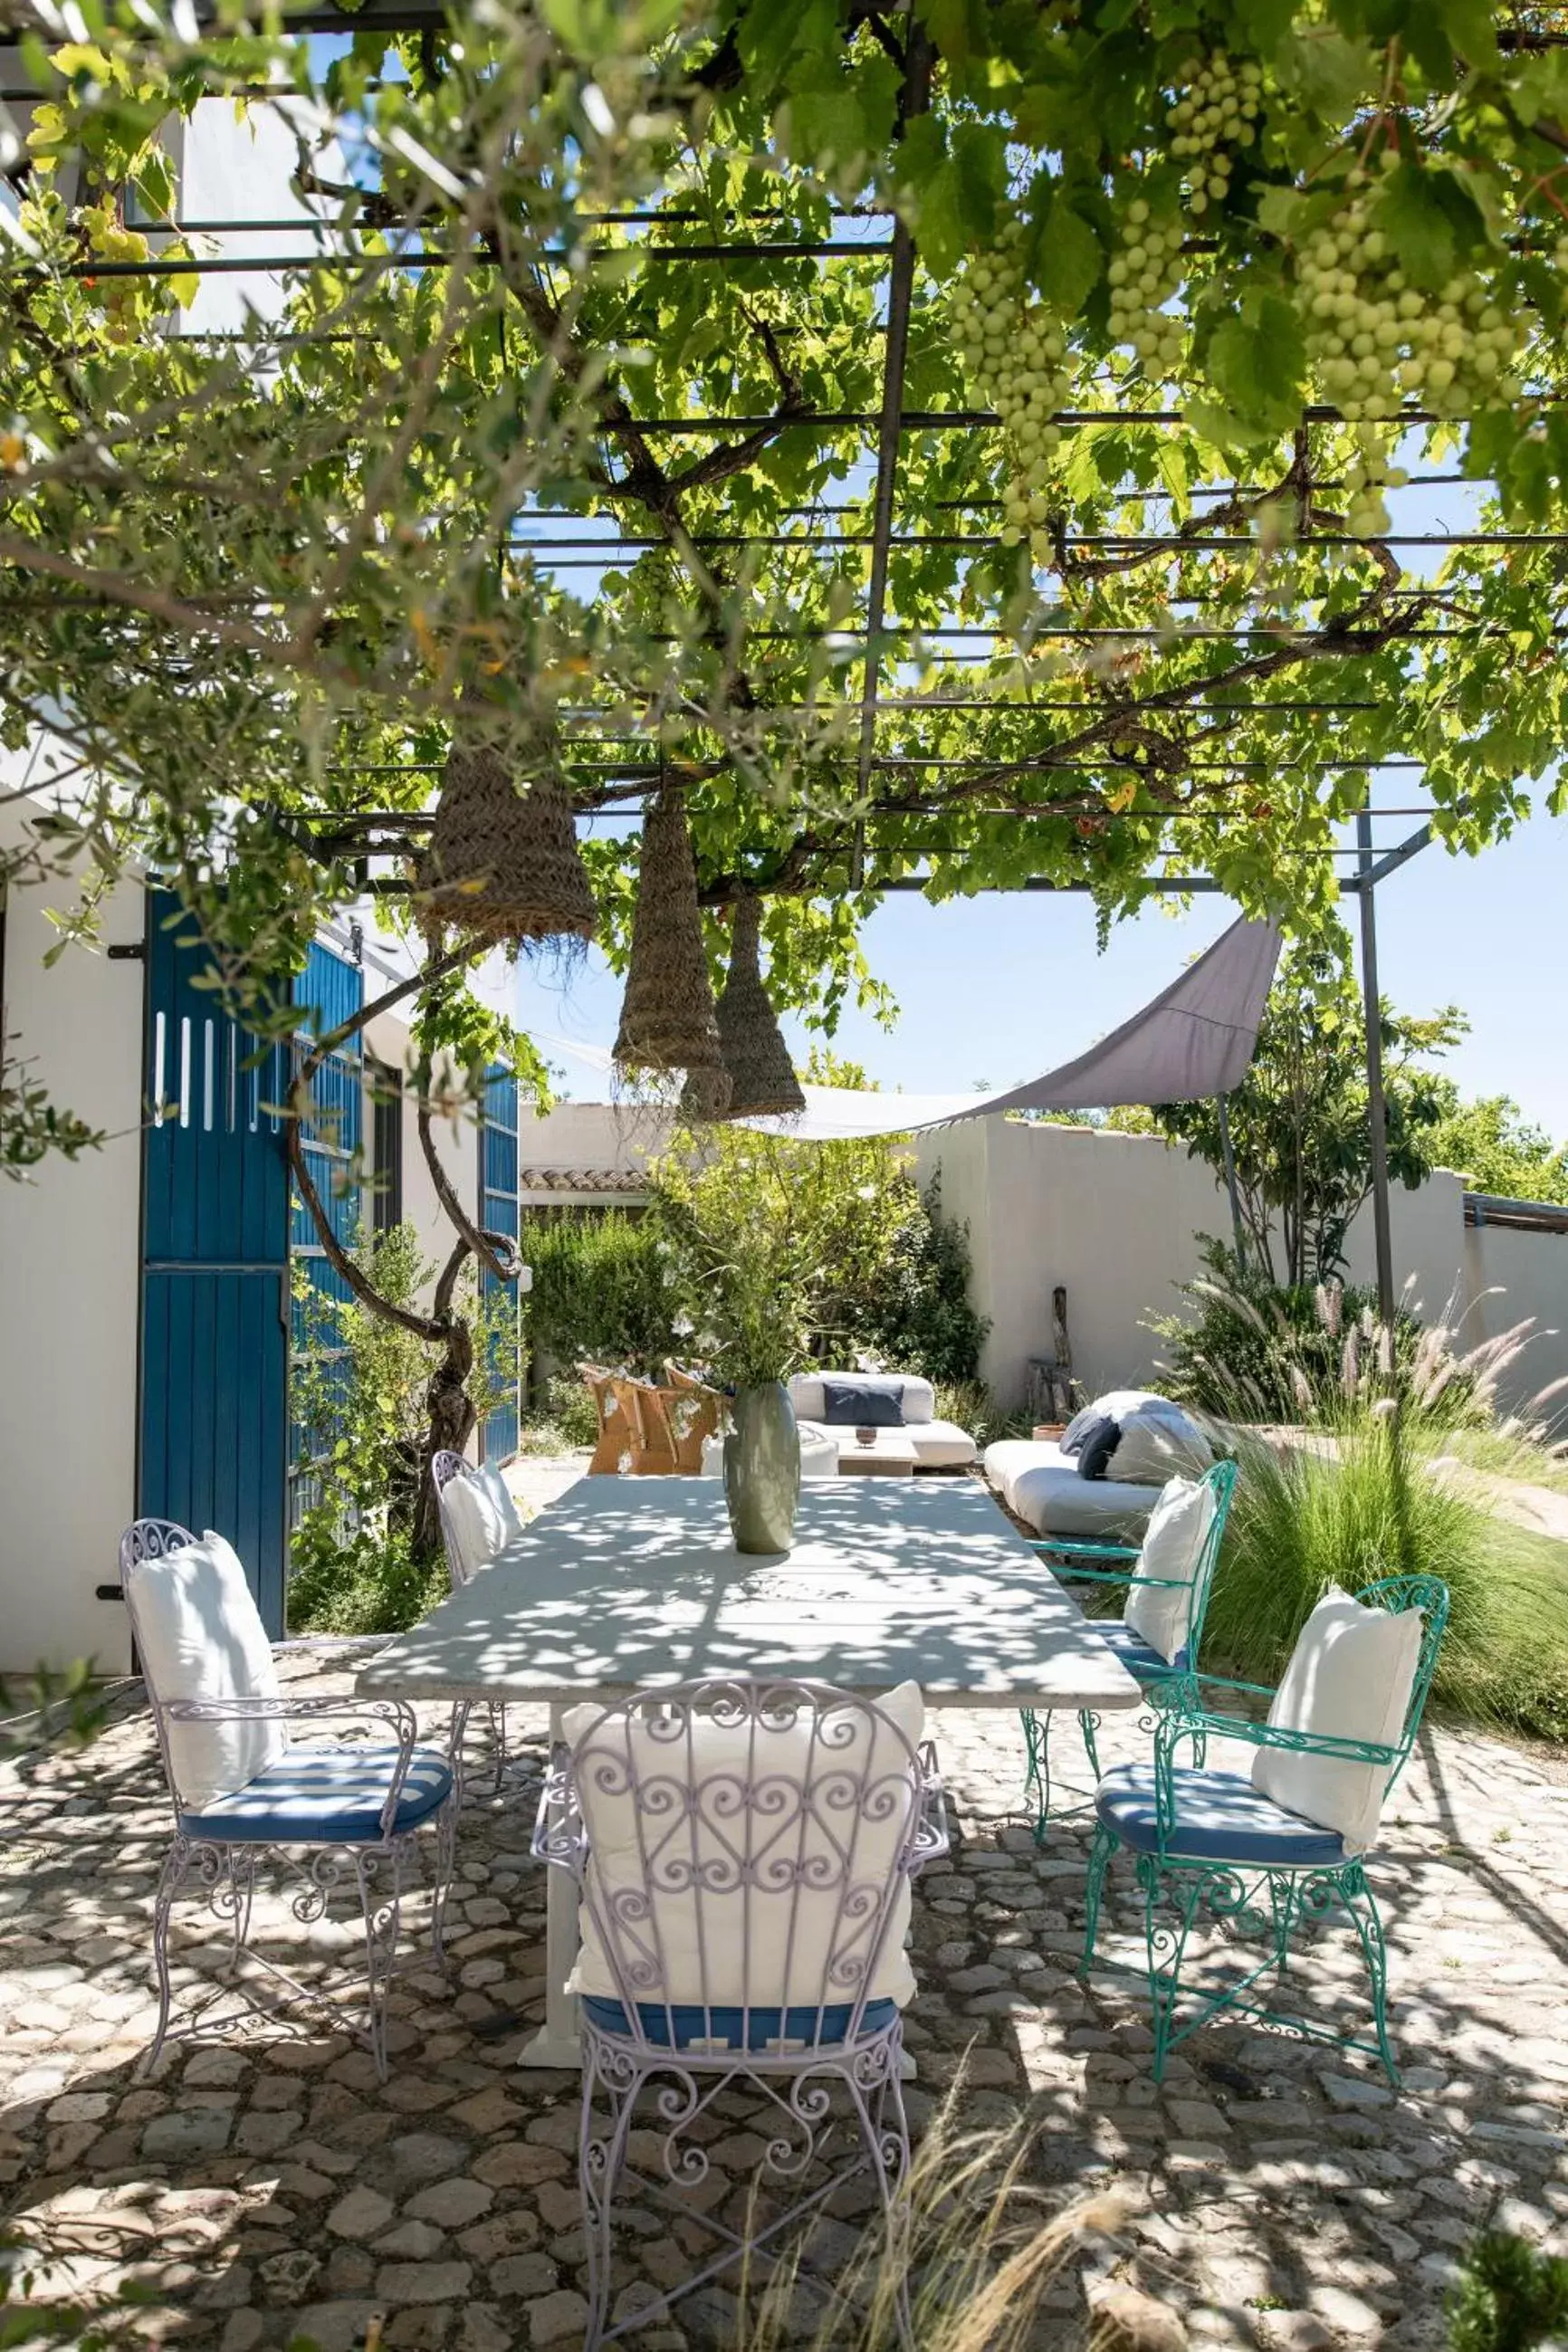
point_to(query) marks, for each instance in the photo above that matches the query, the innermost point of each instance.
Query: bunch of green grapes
(1369, 471)
(1143, 276)
(1374, 339)
(1217, 109)
(1014, 347)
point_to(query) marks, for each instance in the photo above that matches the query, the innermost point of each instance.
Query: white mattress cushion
(1173, 1546)
(769, 1947)
(1349, 1678)
(490, 1477)
(474, 1527)
(1055, 1501)
(917, 1398)
(201, 1637)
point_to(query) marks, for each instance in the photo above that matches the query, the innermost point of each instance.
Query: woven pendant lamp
(667, 1014)
(762, 1077)
(502, 861)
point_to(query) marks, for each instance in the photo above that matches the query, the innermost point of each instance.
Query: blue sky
(994, 989)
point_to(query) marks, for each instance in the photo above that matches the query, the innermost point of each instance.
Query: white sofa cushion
(201, 1637)
(473, 1524)
(490, 1477)
(745, 1945)
(917, 1397)
(1349, 1678)
(1173, 1545)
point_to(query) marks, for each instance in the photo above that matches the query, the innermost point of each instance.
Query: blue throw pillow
(1100, 1440)
(864, 1404)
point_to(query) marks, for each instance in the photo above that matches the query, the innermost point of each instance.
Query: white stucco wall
(1529, 1273)
(68, 1294)
(1115, 1217)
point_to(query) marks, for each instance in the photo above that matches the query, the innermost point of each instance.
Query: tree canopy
(959, 446)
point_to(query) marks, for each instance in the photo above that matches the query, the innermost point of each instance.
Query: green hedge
(601, 1289)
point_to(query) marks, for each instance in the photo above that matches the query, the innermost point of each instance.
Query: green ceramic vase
(761, 1469)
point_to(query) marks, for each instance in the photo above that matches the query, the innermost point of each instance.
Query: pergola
(892, 676)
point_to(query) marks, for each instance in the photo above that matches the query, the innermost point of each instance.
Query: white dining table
(623, 1583)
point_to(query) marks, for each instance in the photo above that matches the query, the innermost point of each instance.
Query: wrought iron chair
(444, 1468)
(744, 1851)
(345, 1805)
(1164, 1681)
(1210, 1840)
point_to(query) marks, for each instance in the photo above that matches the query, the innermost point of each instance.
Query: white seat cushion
(201, 1637)
(490, 1477)
(1349, 1678)
(724, 1948)
(917, 1398)
(935, 1445)
(819, 1450)
(1173, 1546)
(474, 1527)
(1040, 1484)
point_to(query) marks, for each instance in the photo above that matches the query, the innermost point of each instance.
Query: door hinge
(129, 951)
(110, 1593)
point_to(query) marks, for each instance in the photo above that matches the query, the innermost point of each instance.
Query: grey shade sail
(1193, 1041)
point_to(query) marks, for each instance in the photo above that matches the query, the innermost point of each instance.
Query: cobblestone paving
(263, 2184)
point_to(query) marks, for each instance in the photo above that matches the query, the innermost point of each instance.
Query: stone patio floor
(262, 2184)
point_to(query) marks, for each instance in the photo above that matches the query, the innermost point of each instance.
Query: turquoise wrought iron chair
(1209, 1841)
(1162, 1679)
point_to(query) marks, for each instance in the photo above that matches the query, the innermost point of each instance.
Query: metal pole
(1377, 1108)
(1228, 1159)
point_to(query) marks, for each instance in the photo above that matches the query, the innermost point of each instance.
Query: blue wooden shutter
(212, 1441)
(498, 1212)
(329, 992)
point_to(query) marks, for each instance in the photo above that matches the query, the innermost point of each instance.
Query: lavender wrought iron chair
(239, 1786)
(461, 1565)
(744, 1853)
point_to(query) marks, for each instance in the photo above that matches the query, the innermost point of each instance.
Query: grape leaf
(1256, 362)
(1067, 263)
(1413, 217)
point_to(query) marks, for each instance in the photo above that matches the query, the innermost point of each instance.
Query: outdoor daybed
(1043, 1483)
(938, 1444)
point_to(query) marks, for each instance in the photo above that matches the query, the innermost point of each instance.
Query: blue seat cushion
(736, 2027)
(324, 1793)
(1136, 1654)
(1220, 1817)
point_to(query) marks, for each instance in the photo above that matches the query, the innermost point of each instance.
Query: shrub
(357, 1402)
(1257, 1352)
(1361, 1502)
(972, 1405)
(602, 1288)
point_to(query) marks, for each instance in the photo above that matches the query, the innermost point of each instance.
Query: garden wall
(1530, 1271)
(1115, 1218)
(69, 1295)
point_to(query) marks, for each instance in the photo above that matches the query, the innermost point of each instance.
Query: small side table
(890, 1457)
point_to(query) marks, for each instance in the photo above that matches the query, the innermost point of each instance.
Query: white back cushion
(1349, 1678)
(917, 1397)
(745, 1952)
(1178, 1527)
(490, 1477)
(201, 1637)
(474, 1527)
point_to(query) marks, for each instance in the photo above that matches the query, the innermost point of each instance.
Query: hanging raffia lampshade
(667, 1015)
(502, 861)
(761, 1075)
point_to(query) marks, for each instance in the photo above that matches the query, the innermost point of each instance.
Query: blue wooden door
(213, 1449)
